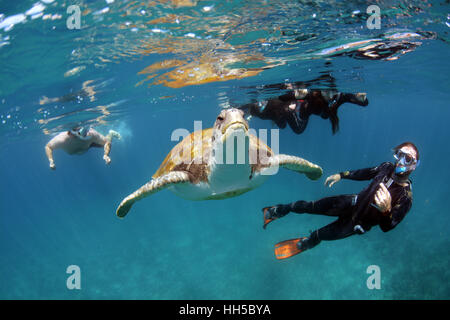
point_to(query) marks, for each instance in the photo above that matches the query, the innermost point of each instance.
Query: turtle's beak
(236, 125)
(234, 122)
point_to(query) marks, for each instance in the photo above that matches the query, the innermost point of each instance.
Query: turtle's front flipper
(149, 188)
(311, 170)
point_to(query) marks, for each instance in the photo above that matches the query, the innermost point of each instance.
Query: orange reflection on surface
(205, 70)
(195, 73)
(181, 3)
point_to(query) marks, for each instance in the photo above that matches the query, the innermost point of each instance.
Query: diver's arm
(390, 220)
(57, 142)
(362, 174)
(101, 140)
(359, 175)
(107, 150)
(49, 153)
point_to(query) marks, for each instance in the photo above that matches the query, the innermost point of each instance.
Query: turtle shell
(193, 153)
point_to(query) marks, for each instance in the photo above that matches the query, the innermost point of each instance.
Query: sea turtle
(199, 167)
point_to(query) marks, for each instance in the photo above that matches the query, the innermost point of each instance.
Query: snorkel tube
(402, 169)
(80, 132)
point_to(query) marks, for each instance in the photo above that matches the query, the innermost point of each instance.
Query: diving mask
(80, 132)
(405, 162)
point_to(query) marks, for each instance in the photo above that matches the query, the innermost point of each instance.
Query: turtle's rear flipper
(287, 248)
(149, 188)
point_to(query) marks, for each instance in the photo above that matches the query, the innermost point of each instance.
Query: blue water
(170, 248)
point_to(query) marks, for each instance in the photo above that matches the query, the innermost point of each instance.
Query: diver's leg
(340, 98)
(329, 206)
(355, 98)
(336, 230)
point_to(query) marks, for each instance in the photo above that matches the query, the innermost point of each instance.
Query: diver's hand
(107, 159)
(383, 199)
(52, 165)
(332, 179)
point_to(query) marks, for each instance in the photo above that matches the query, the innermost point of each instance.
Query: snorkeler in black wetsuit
(295, 107)
(385, 202)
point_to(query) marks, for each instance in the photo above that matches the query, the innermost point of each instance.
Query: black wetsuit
(345, 206)
(277, 110)
(319, 102)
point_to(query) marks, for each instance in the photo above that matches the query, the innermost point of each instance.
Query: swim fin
(267, 220)
(287, 248)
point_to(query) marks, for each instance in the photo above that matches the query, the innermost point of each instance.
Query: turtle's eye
(220, 118)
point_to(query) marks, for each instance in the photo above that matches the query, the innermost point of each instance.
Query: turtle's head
(230, 122)
(230, 143)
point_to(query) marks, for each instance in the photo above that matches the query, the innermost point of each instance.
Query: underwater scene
(100, 199)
